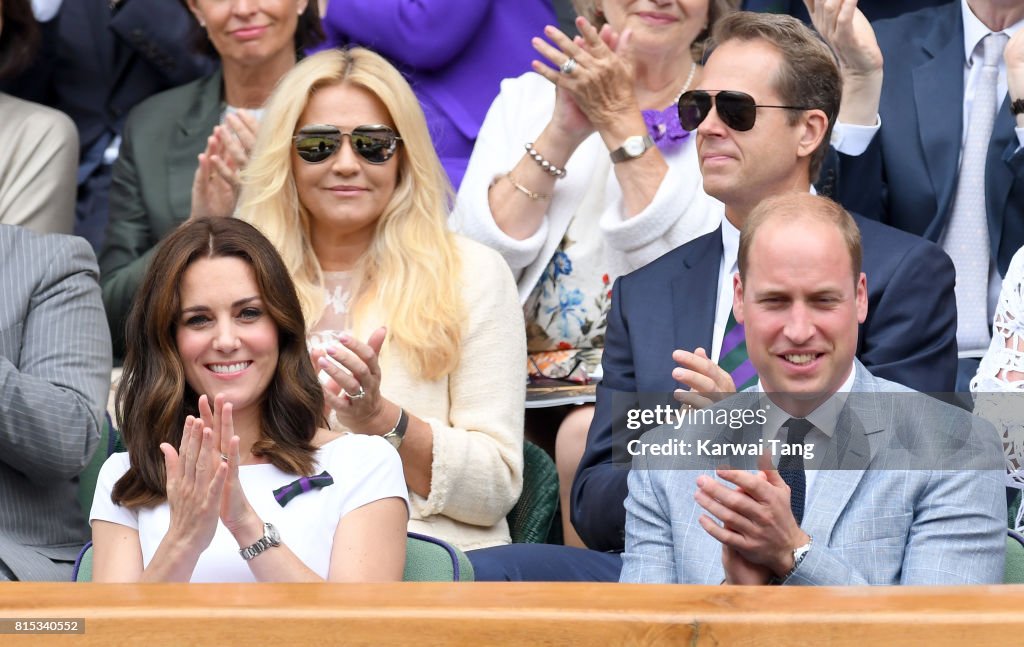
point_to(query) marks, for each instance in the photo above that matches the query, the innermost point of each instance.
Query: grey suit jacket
(37, 167)
(151, 190)
(54, 378)
(885, 516)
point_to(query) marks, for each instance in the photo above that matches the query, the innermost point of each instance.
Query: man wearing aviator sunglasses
(668, 320)
(737, 110)
(316, 143)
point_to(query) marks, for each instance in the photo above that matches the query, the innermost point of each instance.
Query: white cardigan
(679, 212)
(475, 412)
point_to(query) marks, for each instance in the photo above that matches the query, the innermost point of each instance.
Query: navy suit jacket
(873, 9)
(909, 337)
(907, 177)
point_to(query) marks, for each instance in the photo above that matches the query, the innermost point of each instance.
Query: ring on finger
(358, 395)
(224, 457)
(568, 66)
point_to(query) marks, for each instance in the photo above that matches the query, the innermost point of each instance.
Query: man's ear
(815, 123)
(862, 298)
(737, 297)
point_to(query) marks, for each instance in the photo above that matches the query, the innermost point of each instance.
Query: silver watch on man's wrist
(270, 539)
(799, 553)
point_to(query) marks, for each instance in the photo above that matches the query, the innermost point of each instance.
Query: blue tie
(791, 466)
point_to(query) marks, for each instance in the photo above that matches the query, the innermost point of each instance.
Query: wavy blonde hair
(411, 270)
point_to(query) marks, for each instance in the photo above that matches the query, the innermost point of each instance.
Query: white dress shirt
(824, 419)
(850, 139)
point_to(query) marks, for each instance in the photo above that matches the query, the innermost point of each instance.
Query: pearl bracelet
(559, 173)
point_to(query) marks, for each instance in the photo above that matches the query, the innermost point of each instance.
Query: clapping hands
(217, 181)
(599, 85)
(202, 477)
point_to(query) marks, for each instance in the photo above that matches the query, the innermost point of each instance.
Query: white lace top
(997, 398)
(336, 318)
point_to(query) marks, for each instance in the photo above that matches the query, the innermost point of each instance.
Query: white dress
(364, 469)
(997, 399)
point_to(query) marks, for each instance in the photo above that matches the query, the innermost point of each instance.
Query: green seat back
(1014, 573)
(531, 519)
(428, 559)
(87, 479)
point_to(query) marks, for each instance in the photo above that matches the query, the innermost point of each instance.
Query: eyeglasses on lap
(375, 143)
(737, 110)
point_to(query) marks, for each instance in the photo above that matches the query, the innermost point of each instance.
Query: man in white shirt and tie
(936, 149)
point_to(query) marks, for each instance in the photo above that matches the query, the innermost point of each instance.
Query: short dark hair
(153, 396)
(796, 205)
(809, 75)
(19, 36)
(309, 32)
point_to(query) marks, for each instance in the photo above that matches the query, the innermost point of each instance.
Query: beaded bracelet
(533, 195)
(559, 173)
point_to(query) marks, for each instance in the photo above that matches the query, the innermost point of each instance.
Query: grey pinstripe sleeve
(53, 391)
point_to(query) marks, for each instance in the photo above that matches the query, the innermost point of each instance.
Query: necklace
(663, 125)
(689, 80)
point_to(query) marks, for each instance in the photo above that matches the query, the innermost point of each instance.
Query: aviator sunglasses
(737, 110)
(376, 144)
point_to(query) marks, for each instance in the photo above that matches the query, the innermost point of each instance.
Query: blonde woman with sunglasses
(417, 332)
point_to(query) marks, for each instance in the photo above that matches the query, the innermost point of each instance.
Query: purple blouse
(453, 52)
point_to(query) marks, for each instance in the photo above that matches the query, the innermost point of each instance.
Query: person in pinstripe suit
(55, 359)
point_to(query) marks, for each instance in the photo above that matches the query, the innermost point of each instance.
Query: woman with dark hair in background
(214, 118)
(229, 475)
(39, 154)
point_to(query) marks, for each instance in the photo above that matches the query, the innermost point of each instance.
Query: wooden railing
(263, 615)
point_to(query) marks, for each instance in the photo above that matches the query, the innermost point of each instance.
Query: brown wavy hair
(153, 397)
(19, 37)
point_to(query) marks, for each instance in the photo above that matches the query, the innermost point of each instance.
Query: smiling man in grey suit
(54, 375)
(905, 490)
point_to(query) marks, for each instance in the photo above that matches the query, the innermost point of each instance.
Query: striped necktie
(733, 357)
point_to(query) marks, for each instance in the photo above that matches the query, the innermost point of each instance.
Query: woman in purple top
(454, 53)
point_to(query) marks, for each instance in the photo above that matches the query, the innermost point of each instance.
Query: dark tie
(791, 466)
(733, 357)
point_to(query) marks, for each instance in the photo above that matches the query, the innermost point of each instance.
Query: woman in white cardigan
(582, 174)
(424, 324)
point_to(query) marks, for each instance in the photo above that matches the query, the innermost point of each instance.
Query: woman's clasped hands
(203, 486)
(353, 391)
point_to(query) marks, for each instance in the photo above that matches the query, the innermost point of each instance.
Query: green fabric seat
(426, 560)
(1014, 573)
(87, 479)
(1012, 508)
(530, 520)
